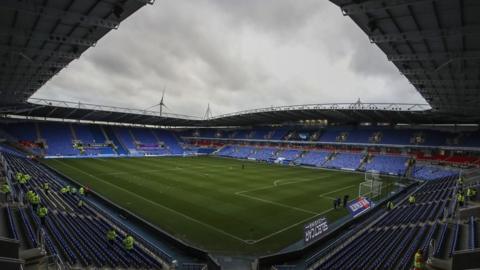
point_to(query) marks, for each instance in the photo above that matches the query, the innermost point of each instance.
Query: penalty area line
(276, 203)
(276, 183)
(333, 191)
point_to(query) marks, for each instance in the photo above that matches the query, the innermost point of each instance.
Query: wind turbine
(161, 105)
(208, 113)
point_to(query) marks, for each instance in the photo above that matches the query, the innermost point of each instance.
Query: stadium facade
(435, 44)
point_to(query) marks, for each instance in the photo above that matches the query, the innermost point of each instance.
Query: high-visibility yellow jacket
(5, 188)
(418, 263)
(35, 199)
(42, 211)
(128, 242)
(390, 205)
(111, 234)
(411, 199)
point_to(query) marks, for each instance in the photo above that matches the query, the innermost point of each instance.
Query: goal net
(372, 176)
(372, 187)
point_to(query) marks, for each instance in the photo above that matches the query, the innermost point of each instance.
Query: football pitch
(215, 204)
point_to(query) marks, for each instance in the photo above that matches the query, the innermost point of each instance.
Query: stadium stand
(313, 158)
(60, 137)
(396, 165)
(433, 149)
(264, 154)
(393, 244)
(426, 172)
(345, 161)
(289, 154)
(79, 245)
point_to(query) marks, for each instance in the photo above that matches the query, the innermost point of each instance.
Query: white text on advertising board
(315, 229)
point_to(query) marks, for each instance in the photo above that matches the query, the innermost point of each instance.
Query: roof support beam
(426, 34)
(70, 113)
(32, 52)
(452, 91)
(45, 73)
(27, 7)
(376, 5)
(20, 84)
(441, 71)
(15, 79)
(434, 56)
(145, 2)
(44, 37)
(47, 64)
(443, 82)
(51, 111)
(87, 114)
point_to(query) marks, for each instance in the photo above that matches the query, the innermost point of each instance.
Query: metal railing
(336, 106)
(96, 107)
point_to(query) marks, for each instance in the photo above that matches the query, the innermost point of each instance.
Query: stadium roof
(341, 113)
(434, 43)
(39, 38)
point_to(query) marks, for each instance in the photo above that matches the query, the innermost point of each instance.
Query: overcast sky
(235, 55)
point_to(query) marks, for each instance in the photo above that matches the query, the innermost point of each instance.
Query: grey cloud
(235, 55)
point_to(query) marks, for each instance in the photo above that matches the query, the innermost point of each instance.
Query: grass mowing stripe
(203, 188)
(157, 204)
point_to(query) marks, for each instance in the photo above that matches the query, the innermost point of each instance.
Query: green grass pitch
(212, 202)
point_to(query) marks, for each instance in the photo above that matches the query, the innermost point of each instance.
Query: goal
(372, 176)
(372, 187)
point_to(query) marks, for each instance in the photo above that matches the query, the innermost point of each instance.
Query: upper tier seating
(330, 135)
(359, 136)
(396, 136)
(242, 134)
(279, 133)
(261, 134)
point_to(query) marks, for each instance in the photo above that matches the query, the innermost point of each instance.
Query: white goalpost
(372, 187)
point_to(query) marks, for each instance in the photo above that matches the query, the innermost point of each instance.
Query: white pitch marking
(333, 191)
(288, 183)
(276, 203)
(248, 241)
(291, 226)
(161, 206)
